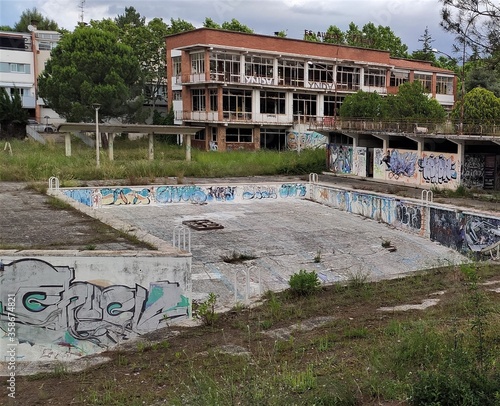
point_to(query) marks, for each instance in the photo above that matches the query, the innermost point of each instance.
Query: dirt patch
(31, 220)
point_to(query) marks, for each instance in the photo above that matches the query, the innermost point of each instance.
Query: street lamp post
(97, 106)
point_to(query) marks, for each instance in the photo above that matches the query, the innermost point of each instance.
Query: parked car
(41, 128)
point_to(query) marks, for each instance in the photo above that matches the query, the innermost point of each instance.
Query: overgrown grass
(361, 356)
(32, 161)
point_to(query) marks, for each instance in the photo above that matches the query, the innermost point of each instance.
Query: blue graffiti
(259, 192)
(292, 190)
(402, 164)
(83, 196)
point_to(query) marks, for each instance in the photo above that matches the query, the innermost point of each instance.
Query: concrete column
(355, 139)
(188, 147)
(67, 144)
(151, 152)
(110, 146)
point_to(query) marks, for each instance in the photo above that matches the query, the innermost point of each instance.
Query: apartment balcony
(29, 102)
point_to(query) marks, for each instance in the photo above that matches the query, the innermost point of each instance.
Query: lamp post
(96, 106)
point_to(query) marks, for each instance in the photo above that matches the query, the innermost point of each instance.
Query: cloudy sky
(407, 19)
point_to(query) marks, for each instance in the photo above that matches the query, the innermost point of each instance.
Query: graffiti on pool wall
(463, 232)
(437, 169)
(293, 190)
(49, 298)
(409, 215)
(259, 192)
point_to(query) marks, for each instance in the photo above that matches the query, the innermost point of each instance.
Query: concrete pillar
(151, 152)
(459, 164)
(67, 144)
(188, 147)
(110, 146)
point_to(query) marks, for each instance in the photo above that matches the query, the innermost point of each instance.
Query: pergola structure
(114, 129)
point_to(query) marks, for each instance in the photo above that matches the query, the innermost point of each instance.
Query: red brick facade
(233, 103)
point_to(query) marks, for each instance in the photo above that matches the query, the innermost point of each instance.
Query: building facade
(254, 91)
(22, 57)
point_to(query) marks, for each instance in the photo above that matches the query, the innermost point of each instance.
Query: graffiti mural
(473, 171)
(409, 216)
(56, 308)
(340, 158)
(396, 165)
(160, 195)
(437, 169)
(259, 192)
(305, 140)
(359, 162)
(464, 232)
(293, 190)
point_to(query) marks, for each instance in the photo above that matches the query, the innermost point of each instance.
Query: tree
(481, 76)
(426, 53)
(281, 34)
(334, 35)
(363, 104)
(476, 24)
(91, 66)
(177, 26)
(369, 36)
(13, 118)
(30, 16)
(209, 23)
(411, 103)
(130, 18)
(480, 106)
(235, 25)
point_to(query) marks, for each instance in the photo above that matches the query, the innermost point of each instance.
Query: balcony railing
(330, 123)
(450, 127)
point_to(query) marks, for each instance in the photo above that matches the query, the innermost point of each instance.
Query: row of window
(270, 138)
(228, 68)
(7, 67)
(237, 103)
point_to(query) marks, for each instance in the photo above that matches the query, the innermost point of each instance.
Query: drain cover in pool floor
(202, 225)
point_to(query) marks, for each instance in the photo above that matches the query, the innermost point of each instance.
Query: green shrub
(205, 311)
(304, 283)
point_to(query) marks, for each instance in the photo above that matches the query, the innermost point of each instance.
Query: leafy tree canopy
(91, 66)
(33, 15)
(209, 23)
(177, 26)
(235, 25)
(426, 53)
(13, 118)
(480, 106)
(482, 76)
(370, 36)
(130, 18)
(412, 103)
(363, 104)
(409, 104)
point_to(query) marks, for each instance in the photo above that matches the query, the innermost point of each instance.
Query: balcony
(405, 127)
(353, 125)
